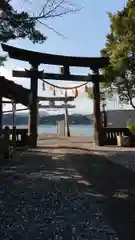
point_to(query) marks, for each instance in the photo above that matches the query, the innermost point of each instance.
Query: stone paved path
(44, 196)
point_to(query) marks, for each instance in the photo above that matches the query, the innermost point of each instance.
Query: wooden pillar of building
(98, 136)
(1, 115)
(33, 111)
(104, 115)
(14, 123)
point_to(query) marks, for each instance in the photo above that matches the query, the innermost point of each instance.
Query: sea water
(86, 130)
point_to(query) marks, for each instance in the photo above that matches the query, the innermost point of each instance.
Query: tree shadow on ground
(116, 186)
(43, 197)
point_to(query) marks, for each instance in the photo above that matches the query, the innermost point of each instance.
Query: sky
(85, 35)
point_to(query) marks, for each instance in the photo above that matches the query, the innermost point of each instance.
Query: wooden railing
(110, 135)
(11, 138)
(21, 137)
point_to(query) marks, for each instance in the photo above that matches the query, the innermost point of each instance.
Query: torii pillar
(98, 133)
(33, 111)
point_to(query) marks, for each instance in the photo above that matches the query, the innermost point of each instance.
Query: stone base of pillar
(98, 139)
(32, 142)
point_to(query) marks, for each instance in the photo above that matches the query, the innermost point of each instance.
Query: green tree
(106, 93)
(120, 47)
(15, 24)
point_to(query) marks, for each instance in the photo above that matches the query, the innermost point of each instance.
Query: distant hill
(116, 118)
(22, 119)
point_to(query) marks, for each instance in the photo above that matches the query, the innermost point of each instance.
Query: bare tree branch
(52, 29)
(54, 9)
(49, 9)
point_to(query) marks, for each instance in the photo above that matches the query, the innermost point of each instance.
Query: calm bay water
(86, 130)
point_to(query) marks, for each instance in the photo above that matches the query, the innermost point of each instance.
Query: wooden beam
(57, 106)
(60, 99)
(57, 76)
(7, 102)
(25, 74)
(26, 55)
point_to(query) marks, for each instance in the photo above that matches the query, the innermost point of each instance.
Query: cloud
(6, 73)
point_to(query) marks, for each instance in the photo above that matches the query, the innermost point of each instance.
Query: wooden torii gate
(37, 58)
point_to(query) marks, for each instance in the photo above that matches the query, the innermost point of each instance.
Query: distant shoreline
(76, 130)
(40, 125)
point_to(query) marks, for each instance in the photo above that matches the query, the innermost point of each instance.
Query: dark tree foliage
(120, 47)
(17, 25)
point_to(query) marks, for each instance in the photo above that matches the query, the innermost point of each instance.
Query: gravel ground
(44, 196)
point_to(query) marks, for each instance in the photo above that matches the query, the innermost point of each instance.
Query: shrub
(131, 127)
